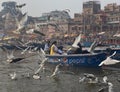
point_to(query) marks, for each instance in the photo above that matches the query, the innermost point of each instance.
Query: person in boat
(47, 47)
(78, 50)
(54, 49)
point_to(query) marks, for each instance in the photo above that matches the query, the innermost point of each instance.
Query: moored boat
(85, 60)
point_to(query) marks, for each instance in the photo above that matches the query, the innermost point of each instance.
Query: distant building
(93, 20)
(53, 23)
(91, 7)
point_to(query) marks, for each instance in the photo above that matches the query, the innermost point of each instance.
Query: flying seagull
(36, 76)
(77, 40)
(30, 31)
(20, 6)
(89, 78)
(56, 71)
(21, 24)
(13, 76)
(11, 58)
(92, 47)
(108, 87)
(41, 66)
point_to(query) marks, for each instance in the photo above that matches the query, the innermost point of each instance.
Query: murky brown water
(67, 80)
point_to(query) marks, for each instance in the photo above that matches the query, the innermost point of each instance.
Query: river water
(66, 81)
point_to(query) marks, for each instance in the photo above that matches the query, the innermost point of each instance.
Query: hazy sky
(37, 7)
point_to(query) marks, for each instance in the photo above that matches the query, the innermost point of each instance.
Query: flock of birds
(92, 79)
(87, 78)
(36, 74)
(108, 61)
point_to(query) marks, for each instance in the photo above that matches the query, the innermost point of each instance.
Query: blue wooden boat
(86, 60)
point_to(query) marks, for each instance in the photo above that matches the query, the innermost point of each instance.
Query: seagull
(92, 47)
(56, 71)
(41, 66)
(13, 76)
(36, 76)
(12, 59)
(10, 56)
(23, 52)
(105, 79)
(77, 40)
(82, 79)
(42, 54)
(89, 78)
(31, 31)
(109, 60)
(101, 33)
(21, 24)
(20, 6)
(108, 87)
(116, 35)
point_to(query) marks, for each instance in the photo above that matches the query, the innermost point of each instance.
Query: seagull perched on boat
(109, 60)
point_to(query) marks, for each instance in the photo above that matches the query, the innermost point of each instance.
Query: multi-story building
(58, 24)
(54, 24)
(91, 7)
(93, 20)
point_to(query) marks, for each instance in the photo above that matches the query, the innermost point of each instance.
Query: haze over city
(37, 7)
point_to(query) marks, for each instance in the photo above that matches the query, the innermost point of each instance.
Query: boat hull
(87, 60)
(110, 51)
